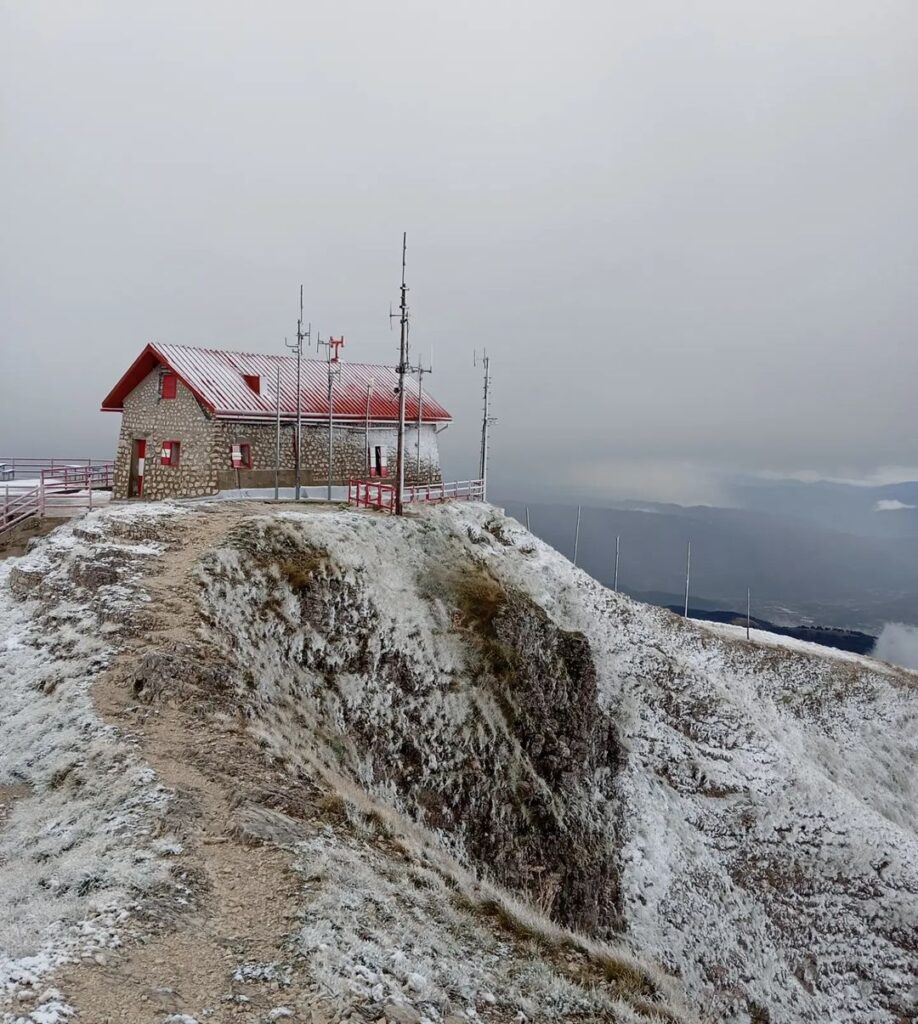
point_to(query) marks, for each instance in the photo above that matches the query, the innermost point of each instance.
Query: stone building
(196, 421)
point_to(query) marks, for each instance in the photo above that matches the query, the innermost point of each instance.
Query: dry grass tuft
(301, 569)
(480, 598)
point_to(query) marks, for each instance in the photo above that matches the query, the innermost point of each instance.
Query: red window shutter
(169, 385)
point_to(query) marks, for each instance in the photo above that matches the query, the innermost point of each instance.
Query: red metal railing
(57, 492)
(373, 494)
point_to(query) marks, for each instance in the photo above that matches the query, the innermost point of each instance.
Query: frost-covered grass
(762, 821)
(392, 930)
(75, 849)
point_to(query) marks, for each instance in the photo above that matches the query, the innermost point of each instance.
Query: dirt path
(239, 904)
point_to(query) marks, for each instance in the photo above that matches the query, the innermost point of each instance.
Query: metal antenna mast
(297, 347)
(332, 345)
(617, 549)
(421, 371)
(486, 422)
(402, 370)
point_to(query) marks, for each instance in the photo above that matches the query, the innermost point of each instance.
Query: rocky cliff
(499, 788)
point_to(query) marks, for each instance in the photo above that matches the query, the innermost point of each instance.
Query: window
(242, 455)
(253, 381)
(168, 383)
(169, 453)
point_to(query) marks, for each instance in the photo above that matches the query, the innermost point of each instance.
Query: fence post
(89, 482)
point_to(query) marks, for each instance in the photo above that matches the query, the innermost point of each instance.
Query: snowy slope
(77, 806)
(755, 830)
(490, 720)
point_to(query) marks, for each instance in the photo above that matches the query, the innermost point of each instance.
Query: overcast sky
(687, 232)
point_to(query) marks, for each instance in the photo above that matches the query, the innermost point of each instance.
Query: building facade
(198, 421)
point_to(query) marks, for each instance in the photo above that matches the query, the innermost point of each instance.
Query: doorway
(138, 463)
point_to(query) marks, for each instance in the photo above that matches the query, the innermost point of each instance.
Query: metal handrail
(16, 467)
(58, 487)
(381, 496)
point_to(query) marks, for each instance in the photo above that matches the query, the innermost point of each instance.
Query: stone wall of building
(349, 457)
(205, 448)
(349, 454)
(149, 416)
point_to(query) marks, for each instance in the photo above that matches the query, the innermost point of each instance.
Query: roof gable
(217, 378)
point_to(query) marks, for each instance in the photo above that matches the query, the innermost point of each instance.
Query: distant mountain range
(842, 639)
(823, 554)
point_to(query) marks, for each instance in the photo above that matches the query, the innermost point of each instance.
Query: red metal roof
(217, 379)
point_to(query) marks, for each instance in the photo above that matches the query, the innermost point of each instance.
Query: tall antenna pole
(688, 573)
(301, 336)
(402, 369)
(577, 534)
(421, 371)
(277, 445)
(370, 384)
(333, 346)
(331, 422)
(527, 517)
(485, 424)
(748, 609)
(617, 548)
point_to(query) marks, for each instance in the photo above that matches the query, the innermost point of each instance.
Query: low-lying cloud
(898, 644)
(890, 505)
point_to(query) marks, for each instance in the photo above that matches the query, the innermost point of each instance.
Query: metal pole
(277, 445)
(331, 423)
(688, 572)
(299, 420)
(615, 580)
(486, 419)
(301, 335)
(370, 383)
(420, 407)
(748, 609)
(577, 535)
(402, 367)
(527, 518)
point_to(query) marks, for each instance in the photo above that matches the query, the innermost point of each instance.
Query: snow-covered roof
(218, 379)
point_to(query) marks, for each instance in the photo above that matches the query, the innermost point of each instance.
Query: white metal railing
(58, 490)
(17, 467)
(456, 490)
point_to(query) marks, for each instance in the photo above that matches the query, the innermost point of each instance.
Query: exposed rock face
(501, 746)
(745, 814)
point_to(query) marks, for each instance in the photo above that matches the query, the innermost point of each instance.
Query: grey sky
(685, 231)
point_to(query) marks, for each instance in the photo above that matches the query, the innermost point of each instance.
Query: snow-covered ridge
(77, 805)
(490, 718)
(755, 830)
